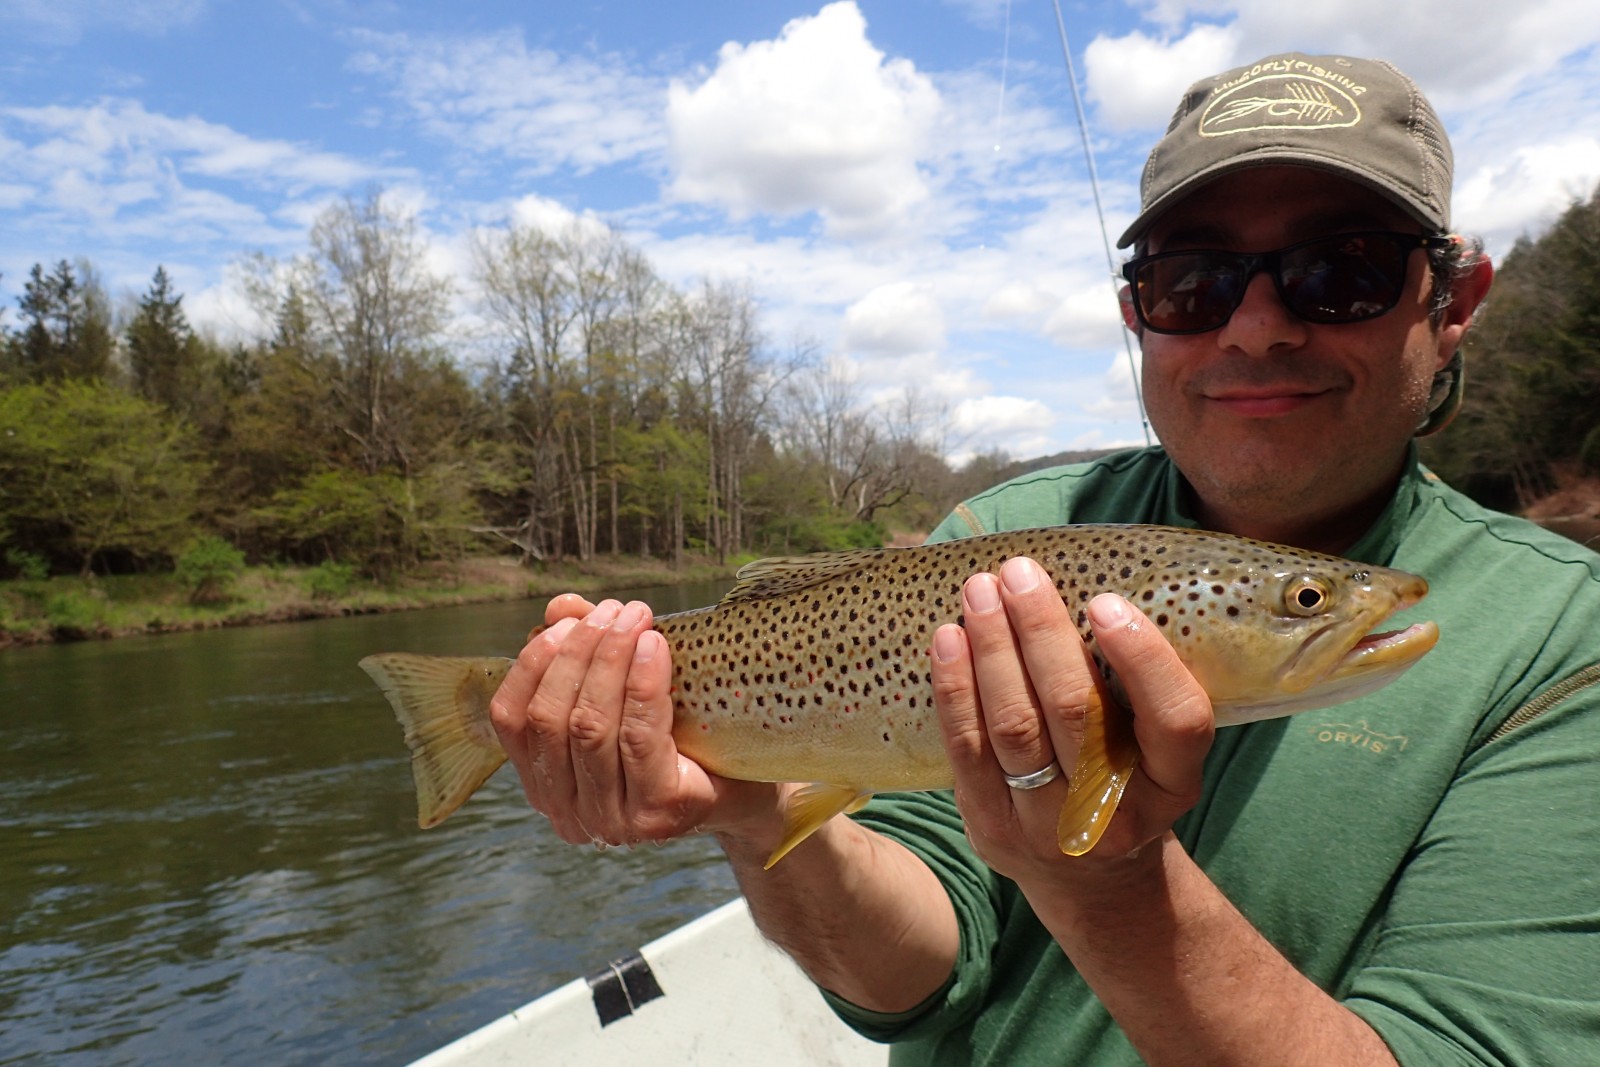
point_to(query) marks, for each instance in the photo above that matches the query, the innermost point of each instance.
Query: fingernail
(645, 650)
(1109, 610)
(629, 616)
(982, 594)
(1020, 575)
(604, 615)
(946, 644)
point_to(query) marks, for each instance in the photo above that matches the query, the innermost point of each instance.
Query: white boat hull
(710, 992)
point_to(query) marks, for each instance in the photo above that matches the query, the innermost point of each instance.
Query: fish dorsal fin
(787, 574)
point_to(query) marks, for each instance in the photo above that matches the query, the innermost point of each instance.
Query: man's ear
(1466, 296)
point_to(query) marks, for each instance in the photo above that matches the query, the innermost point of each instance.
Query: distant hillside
(1059, 459)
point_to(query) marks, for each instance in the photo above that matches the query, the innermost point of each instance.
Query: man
(1402, 879)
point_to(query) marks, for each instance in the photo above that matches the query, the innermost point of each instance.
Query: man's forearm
(1187, 977)
(864, 918)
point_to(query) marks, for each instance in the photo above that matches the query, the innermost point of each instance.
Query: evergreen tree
(66, 325)
(161, 347)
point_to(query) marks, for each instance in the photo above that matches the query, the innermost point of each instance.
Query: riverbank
(76, 609)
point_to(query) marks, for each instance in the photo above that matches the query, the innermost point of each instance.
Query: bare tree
(526, 290)
(870, 457)
(373, 302)
(727, 379)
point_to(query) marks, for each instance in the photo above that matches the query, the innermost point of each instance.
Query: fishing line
(1005, 63)
(1094, 184)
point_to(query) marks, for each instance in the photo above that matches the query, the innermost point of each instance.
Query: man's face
(1269, 415)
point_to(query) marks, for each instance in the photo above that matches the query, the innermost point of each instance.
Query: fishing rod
(1094, 185)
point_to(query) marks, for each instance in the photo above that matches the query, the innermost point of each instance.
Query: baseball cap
(1359, 118)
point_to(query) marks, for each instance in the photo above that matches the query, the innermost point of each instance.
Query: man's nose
(1262, 324)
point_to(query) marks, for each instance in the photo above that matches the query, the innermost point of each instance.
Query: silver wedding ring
(1038, 778)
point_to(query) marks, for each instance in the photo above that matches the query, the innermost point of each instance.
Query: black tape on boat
(622, 987)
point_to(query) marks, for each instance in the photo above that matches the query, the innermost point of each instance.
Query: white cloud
(1116, 398)
(1136, 80)
(898, 319)
(129, 187)
(1017, 425)
(1527, 188)
(1491, 45)
(64, 21)
(1019, 300)
(816, 120)
(121, 139)
(1085, 318)
(494, 95)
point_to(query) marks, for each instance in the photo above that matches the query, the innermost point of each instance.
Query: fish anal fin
(1105, 766)
(443, 705)
(809, 808)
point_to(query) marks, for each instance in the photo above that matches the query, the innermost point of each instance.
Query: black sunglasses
(1345, 277)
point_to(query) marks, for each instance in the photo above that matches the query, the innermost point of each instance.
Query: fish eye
(1305, 596)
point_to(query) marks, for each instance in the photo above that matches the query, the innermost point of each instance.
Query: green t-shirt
(1429, 854)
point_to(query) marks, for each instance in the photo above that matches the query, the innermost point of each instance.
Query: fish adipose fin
(1105, 765)
(809, 808)
(443, 704)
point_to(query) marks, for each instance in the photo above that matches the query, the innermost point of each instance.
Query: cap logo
(1279, 101)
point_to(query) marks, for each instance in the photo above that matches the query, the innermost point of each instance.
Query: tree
(87, 470)
(725, 381)
(871, 459)
(378, 308)
(66, 325)
(163, 354)
(1533, 369)
(527, 292)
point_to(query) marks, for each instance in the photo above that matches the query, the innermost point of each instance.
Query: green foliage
(382, 523)
(65, 326)
(28, 566)
(207, 568)
(829, 533)
(329, 581)
(163, 353)
(1533, 369)
(87, 471)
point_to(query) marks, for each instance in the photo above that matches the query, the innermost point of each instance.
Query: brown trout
(815, 669)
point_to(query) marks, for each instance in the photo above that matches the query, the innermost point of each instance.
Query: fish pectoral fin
(443, 705)
(809, 808)
(1105, 766)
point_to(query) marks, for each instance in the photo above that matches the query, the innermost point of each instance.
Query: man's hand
(1014, 687)
(585, 716)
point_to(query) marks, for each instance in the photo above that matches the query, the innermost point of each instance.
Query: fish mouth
(1372, 661)
(1390, 648)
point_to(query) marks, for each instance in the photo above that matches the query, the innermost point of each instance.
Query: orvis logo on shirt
(1359, 735)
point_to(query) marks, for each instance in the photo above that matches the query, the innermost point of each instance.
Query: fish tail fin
(809, 808)
(1105, 766)
(443, 705)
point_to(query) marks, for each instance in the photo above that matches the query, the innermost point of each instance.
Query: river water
(209, 854)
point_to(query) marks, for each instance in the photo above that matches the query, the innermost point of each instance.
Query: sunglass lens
(1189, 293)
(1347, 278)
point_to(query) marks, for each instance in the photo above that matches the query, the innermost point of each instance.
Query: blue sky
(900, 183)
